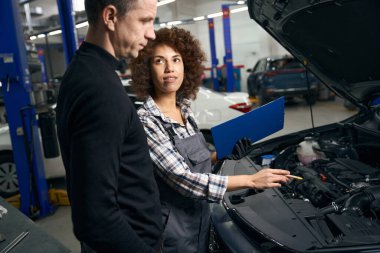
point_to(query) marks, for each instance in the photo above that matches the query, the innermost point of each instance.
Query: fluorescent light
(41, 35)
(240, 2)
(163, 2)
(78, 5)
(33, 37)
(214, 15)
(239, 9)
(55, 32)
(174, 23)
(199, 18)
(83, 24)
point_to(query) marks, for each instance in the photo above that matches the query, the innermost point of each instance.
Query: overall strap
(192, 123)
(169, 128)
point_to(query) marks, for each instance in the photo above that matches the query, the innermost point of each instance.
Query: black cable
(309, 101)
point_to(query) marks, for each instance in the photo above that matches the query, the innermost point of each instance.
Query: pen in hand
(295, 177)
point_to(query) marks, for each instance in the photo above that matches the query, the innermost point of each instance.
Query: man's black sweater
(113, 194)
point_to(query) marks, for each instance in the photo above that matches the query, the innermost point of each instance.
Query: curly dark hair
(192, 55)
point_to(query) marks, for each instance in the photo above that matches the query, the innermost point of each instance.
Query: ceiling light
(239, 9)
(163, 2)
(41, 35)
(33, 37)
(55, 32)
(83, 24)
(78, 5)
(174, 23)
(240, 2)
(199, 18)
(214, 15)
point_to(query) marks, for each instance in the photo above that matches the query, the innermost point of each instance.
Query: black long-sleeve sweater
(113, 194)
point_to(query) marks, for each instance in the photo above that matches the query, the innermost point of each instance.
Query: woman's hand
(264, 179)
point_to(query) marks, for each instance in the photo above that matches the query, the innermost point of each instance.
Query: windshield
(287, 63)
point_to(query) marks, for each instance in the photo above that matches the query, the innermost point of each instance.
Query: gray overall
(187, 219)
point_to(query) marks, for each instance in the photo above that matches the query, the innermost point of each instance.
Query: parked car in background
(277, 76)
(210, 108)
(334, 205)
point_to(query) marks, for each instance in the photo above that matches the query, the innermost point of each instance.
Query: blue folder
(255, 125)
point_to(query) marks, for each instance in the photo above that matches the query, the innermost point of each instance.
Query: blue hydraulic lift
(227, 59)
(214, 60)
(21, 114)
(228, 48)
(69, 32)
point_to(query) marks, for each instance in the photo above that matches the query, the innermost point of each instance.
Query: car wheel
(209, 141)
(262, 97)
(251, 90)
(8, 175)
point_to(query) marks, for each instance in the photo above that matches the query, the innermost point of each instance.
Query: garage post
(21, 115)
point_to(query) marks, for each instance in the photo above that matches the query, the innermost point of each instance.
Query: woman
(167, 73)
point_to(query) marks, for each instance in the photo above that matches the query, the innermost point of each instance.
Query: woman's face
(167, 70)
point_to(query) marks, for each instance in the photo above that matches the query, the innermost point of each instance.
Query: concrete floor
(297, 117)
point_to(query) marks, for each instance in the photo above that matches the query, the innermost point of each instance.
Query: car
(8, 175)
(335, 207)
(210, 108)
(276, 76)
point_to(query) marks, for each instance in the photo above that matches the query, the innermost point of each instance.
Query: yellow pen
(295, 177)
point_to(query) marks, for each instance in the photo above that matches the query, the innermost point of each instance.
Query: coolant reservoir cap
(266, 160)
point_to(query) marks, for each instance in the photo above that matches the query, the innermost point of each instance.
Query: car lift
(16, 89)
(17, 92)
(227, 59)
(69, 31)
(21, 114)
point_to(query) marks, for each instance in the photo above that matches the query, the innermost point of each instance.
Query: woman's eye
(177, 60)
(159, 61)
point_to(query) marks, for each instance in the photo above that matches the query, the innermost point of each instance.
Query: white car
(210, 108)
(8, 176)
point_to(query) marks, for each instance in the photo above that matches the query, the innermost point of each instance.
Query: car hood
(337, 40)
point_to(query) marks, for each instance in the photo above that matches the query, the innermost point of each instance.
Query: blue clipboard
(255, 125)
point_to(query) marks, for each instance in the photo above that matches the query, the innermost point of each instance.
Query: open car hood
(337, 40)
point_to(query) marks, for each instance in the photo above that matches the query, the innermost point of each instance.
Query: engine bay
(340, 171)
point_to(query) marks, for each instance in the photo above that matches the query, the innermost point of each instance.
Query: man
(114, 198)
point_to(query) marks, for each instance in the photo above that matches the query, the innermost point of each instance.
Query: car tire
(251, 90)
(209, 141)
(8, 175)
(262, 98)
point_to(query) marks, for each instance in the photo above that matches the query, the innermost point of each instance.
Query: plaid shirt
(172, 167)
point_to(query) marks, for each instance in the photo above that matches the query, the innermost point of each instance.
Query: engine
(335, 180)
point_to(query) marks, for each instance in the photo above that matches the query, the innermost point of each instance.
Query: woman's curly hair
(192, 55)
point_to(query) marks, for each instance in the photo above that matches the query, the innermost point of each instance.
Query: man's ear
(109, 17)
